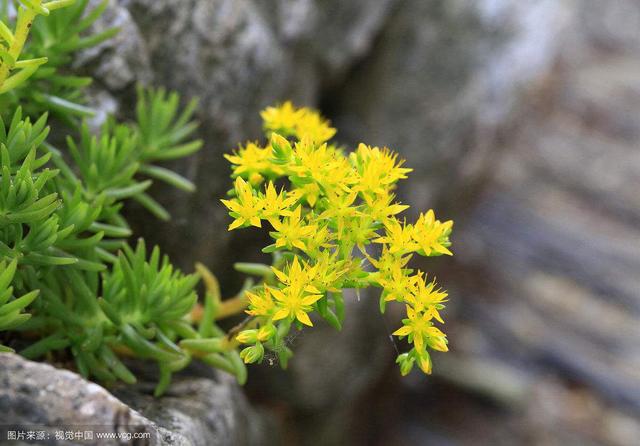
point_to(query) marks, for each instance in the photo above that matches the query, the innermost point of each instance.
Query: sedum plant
(74, 287)
(71, 285)
(334, 221)
(39, 66)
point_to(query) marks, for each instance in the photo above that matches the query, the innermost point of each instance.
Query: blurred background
(521, 121)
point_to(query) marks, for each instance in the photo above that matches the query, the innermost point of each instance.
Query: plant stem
(227, 308)
(23, 25)
(231, 307)
(224, 308)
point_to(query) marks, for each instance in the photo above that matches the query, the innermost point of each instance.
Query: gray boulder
(201, 408)
(442, 82)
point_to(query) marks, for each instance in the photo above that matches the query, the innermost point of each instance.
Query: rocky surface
(442, 82)
(200, 408)
(561, 219)
(548, 259)
(329, 374)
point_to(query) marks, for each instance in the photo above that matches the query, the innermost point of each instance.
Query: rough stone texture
(329, 374)
(122, 60)
(562, 218)
(203, 409)
(548, 259)
(443, 78)
(225, 53)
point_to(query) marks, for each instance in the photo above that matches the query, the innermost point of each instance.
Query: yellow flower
(339, 208)
(323, 205)
(421, 331)
(291, 231)
(311, 125)
(281, 119)
(321, 238)
(309, 192)
(387, 262)
(276, 204)
(294, 304)
(246, 208)
(432, 235)
(311, 161)
(295, 275)
(396, 284)
(398, 237)
(253, 162)
(328, 272)
(320, 168)
(261, 303)
(381, 208)
(303, 122)
(425, 296)
(296, 298)
(358, 230)
(378, 169)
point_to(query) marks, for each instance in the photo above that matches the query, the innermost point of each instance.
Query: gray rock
(442, 81)
(329, 373)
(561, 219)
(121, 61)
(331, 34)
(202, 409)
(551, 248)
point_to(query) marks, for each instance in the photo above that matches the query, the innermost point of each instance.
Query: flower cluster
(333, 218)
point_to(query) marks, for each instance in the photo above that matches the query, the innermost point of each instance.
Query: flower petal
(279, 295)
(402, 331)
(281, 314)
(236, 224)
(304, 318)
(311, 299)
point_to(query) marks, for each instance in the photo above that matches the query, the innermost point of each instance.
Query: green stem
(23, 26)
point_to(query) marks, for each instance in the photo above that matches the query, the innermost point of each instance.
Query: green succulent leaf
(71, 283)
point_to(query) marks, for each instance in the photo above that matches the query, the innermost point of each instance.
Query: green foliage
(11, 314)
(63, 235)
(64, 250)
(42, 82)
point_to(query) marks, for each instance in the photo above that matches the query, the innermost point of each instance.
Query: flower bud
(267, 332)
(424, 362)
(406, 363)
(252, 354)
(439, 343)
(281, 148)
(255, 179)
(247, 336)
